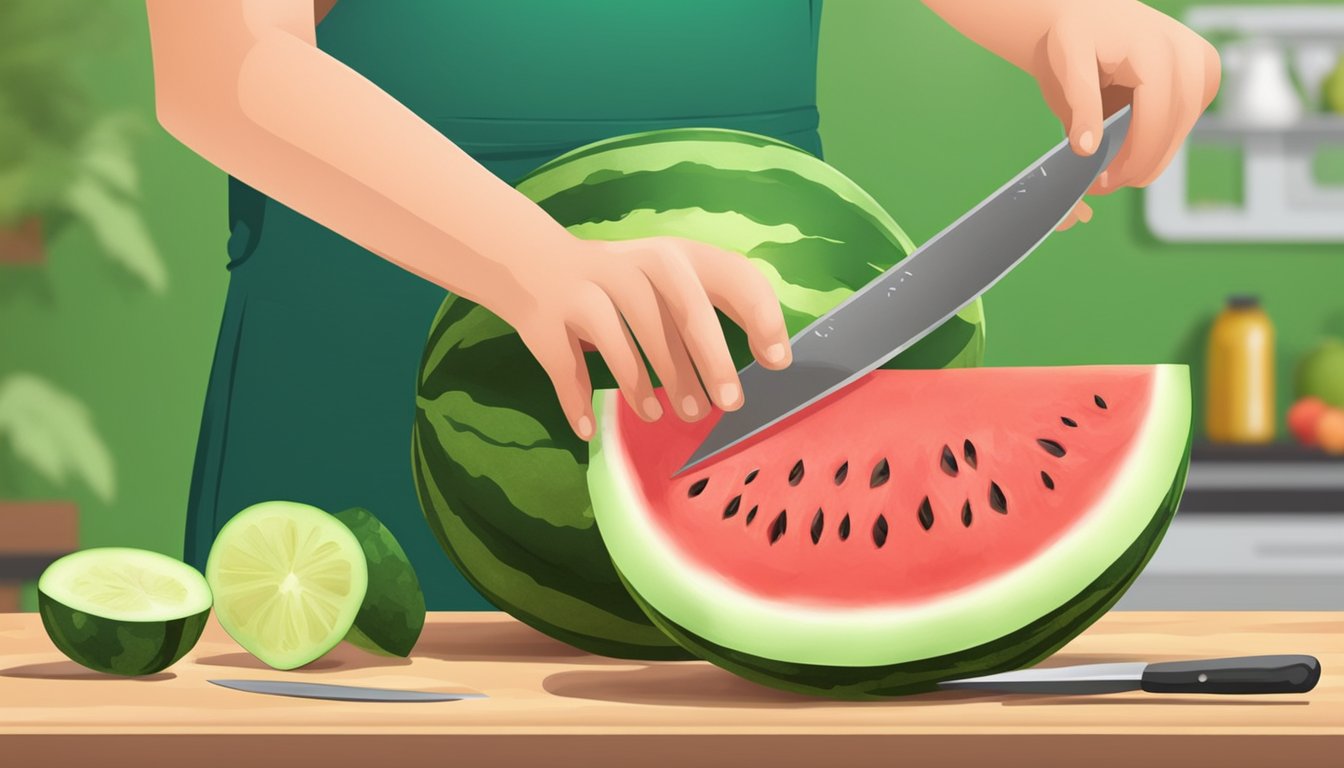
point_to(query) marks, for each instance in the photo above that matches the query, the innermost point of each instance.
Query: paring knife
(1242, 675)
(339, 692)
(903, 304)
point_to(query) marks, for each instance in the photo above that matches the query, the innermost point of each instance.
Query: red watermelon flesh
(936, 498)
(950, 509)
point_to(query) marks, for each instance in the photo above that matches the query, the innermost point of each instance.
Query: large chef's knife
(332, 692)
(906, 302)
(1246, 674)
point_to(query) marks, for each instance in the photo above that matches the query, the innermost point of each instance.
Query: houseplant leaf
(52, 432)
(119, 229)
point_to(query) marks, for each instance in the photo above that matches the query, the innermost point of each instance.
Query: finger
(656, 334)
(1150, 129)
(1213, 72)
(1082, 213)
(559, 354)
(745, 295)
(1188, 103)
(1073, 64)
(600, 323)
(680, 290)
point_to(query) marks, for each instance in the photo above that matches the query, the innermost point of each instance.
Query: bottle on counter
(1240, 396)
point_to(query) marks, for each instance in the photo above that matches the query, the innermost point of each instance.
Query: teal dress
(312, 392)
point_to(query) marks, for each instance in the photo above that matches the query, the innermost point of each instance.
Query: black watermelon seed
(1068, 422)
(751, 476)
(842, 473)
(780, 525)
(844, 528)
(880, 531)
(751, 515)
(968, 453)
(698, 487)
(818, 525)
(881, 474)
(966, 513)
(997, 501)
(1100, 403)
(926, 513)
(1051, 447)
(796, 474)
(949, 462)
(1048, 480)
(732, 507)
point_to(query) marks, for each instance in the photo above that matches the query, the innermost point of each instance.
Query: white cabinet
(1263, 115)
(1245, 561)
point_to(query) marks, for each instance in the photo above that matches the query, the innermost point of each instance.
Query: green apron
(312, 393)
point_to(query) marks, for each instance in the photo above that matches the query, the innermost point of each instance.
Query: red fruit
(1303, 418)
(1330, 431)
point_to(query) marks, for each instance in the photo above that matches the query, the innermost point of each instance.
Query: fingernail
(729, 394)
(689, 406)
(774, 353)
(585, 427)
(1104, 179)
(1087, 142)
(652, 409)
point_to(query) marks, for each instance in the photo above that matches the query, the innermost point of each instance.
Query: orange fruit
(1330, 431)
(1303, 418)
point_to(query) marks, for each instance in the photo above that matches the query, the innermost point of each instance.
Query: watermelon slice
(915, 527)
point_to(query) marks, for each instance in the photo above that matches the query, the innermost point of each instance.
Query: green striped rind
(501, 477)
(1023, 648)
(119, 647)
(393, 612)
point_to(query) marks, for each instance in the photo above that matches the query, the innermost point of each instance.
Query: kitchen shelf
(1284, 201)
(1312, 129)
(1276, 478)
(1286, 23)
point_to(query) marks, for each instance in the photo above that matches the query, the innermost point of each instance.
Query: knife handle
(1244, 674)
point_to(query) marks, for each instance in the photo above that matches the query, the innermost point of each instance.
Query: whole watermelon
(500, 475)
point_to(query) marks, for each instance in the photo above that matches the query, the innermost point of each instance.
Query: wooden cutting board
(552, 705)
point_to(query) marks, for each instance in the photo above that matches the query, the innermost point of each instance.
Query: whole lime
(1321, 373)
(393, 613)
(1333, 88)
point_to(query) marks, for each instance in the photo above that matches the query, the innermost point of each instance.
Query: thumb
(1073, 66)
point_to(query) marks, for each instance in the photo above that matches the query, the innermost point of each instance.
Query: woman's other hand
(1093, 58)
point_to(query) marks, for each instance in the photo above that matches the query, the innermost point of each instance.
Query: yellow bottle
(1240, 396)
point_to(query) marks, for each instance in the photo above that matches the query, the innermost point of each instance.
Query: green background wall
(925, 120)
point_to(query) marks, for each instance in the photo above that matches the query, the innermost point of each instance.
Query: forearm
(318, 137)
(1013, 30)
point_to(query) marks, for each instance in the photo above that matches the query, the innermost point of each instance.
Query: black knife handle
(1245, 674)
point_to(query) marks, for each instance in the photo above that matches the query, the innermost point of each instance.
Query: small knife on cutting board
(331, 692)
(1240, 675)
(902, 305)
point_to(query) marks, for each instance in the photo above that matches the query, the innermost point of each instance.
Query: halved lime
(288, 580)
(393, 613)
(123, 611)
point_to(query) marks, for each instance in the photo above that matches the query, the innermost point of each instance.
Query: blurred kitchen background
(112, 275)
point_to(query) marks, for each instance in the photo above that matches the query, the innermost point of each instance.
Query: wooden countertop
(550, 704)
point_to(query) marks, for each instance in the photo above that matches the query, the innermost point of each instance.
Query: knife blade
(905, 303)
(332, 692)
(1240, 675)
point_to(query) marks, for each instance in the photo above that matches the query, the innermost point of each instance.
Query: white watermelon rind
(690, 596)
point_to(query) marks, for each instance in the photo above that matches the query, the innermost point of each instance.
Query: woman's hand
(1091, 59)
(660, 292)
